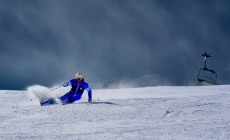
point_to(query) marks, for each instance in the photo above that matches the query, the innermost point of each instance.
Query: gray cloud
(47, 42)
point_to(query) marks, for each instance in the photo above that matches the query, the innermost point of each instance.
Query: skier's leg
(65, 98)
(48, 102)
(76, 97)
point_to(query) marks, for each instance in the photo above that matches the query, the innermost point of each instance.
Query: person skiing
(78, 86)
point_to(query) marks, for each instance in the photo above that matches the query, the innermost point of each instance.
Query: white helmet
(79, 76)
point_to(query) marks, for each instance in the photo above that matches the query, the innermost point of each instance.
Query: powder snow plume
(35, 91)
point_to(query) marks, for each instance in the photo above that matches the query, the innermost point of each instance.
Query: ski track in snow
(163, 113)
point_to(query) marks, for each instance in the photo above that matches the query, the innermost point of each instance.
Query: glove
(89, 100)
(65, 84)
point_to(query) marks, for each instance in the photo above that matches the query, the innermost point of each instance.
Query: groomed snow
(197, 113)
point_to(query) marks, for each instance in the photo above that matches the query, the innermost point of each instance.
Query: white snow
(165, 113)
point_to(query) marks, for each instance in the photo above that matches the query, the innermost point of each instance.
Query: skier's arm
(66, 84)
(89, 94)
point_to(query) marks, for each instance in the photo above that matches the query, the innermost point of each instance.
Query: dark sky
(47, 41)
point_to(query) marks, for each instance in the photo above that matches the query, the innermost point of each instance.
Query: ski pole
(45, 93)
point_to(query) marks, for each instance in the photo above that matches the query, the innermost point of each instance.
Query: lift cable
(157, 69)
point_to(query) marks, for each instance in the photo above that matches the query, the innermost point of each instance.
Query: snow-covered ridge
(150, 113)
(162, 91)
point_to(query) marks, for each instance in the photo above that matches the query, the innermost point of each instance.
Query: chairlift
(205, 74)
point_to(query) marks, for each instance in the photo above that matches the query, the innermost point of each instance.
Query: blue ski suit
(76, 91)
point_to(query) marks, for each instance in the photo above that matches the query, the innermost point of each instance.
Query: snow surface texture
(194, 113)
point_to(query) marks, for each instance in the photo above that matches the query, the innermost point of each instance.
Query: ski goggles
(79, 79)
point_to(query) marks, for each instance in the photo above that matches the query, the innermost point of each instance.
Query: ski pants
(71, 97)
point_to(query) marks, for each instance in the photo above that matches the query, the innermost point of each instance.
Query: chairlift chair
(205, 74)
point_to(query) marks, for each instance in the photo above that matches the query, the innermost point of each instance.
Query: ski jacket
(79, 87)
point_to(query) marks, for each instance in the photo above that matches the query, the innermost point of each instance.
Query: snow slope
(200, 112)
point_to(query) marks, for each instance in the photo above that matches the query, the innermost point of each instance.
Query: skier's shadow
(108, 103)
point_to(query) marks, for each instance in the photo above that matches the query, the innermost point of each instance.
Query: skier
(78, 86)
